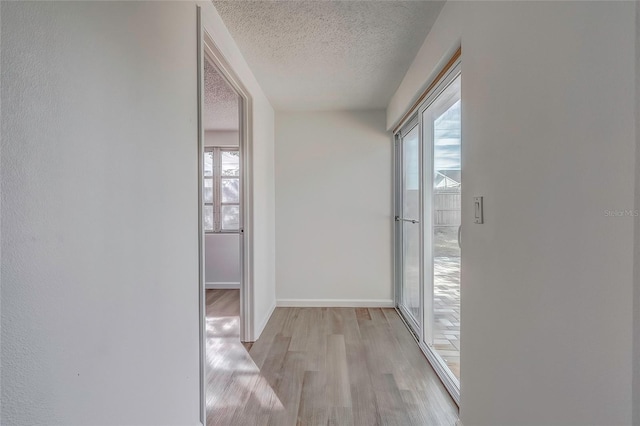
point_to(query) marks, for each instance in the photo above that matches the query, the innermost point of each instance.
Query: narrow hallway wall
(333, 208)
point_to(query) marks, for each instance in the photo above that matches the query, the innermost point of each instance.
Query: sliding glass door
(408, 224)
(441, 124)
(428, 226)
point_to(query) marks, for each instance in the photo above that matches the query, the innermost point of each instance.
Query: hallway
(319, 366)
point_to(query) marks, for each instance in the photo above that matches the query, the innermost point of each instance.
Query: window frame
(216, 180)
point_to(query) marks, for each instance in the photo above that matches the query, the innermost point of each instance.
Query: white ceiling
(220, 101)
(318, 55)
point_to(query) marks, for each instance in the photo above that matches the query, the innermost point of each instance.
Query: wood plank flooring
(223, 303)
(319, 366)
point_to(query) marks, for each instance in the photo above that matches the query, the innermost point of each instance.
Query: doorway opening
(224, 219)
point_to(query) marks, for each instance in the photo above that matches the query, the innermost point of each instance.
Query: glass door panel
(427, 190)
(442, 131)
(409, 223)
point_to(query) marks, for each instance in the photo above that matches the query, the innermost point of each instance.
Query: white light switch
(478, 214)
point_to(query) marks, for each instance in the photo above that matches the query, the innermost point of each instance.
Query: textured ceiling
(318, 55)
(220, 101)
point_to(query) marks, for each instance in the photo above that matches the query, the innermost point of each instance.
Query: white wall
(222, 260)
(95, 300)
(548, 140)
(264, 217)
(333, 208)
(89, 145)
(1, 197)
(636, 305)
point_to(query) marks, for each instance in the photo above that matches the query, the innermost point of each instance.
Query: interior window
(221, 189)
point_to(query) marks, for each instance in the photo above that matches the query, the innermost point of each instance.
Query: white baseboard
(258, 331)
(221, 286)
(335, 303)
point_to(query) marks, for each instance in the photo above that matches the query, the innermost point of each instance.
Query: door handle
(400, 219)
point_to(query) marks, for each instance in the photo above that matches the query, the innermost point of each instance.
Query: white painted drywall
(98, 204)
(1, 398)
(222, 251)
(548, 140)
(222, 259)
(99, 207)
(636, 304)
(333, 207)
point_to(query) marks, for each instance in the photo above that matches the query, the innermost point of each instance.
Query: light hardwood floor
(319, 366)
